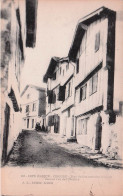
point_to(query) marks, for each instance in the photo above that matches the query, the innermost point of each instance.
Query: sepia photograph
(61, 103)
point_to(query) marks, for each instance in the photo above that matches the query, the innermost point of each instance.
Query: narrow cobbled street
(31, 149)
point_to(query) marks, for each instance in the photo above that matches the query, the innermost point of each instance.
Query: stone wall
(114, 149)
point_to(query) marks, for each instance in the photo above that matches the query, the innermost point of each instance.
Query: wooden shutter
(95, 82)
(97, 41)
(77, 66)
(84, 92)
(50, 96)
(80, 94)
(90, 86)
(54, 97)
(61, 95)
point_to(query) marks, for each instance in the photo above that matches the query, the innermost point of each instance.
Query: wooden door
(6, 133)
(98, 133)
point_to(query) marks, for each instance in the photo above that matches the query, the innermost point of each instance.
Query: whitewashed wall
(89, 60)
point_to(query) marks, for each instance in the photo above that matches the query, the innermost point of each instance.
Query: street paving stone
(39, 149)
(85, 152)
(31, 149)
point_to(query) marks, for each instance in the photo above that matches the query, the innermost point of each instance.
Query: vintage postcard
(61, 98)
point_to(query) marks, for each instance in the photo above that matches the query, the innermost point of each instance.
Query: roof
(54, 62)
(82, 26)
(51, 68)
(32, 86)
(64, 59)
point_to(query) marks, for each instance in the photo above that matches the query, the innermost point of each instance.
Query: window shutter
(84, 92)
(97, 41)
(66, 92)
(50, 96)
(77, 66)
(69, 89)
(61, 95)
(95, 80)
(90, 86)
(54, 97)
(54, 76)
(80, 94)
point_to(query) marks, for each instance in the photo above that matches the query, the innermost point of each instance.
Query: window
(34, 107)
(67, 67)
(83, 93)
(77, 66)
(63, 72)
(28, 96)
(27, 123)
(54, 96)
(121, 108)
(77, 96)
(61, 93)
(27, 108)
(60, 70)
(95, 78)
(54, 76)
(32, 123)
(50, 96)
(68, 112)
(82, 126)
(68, 90)
(93, 84)
(97, 42)
(43, 122)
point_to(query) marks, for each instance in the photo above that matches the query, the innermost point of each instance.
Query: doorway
(27, 123)
(56, 123)
(32, 123)
(6, 133)
(98, 132)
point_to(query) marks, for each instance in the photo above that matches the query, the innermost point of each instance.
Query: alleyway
(32, 150)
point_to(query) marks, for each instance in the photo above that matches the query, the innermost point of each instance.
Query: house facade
(33, 107)
(60, 96)
(67, 107)
(88, 110)
(14, 39)
(93, 52)
(53, 103)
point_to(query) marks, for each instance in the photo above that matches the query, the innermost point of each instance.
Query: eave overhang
(51, 68)
(14, 100)
(21, 44)
(82, 27)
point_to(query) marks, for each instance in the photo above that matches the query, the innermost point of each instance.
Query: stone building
(16, 34)
(33, 107)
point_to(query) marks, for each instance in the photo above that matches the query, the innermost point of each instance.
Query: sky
(56, 23)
